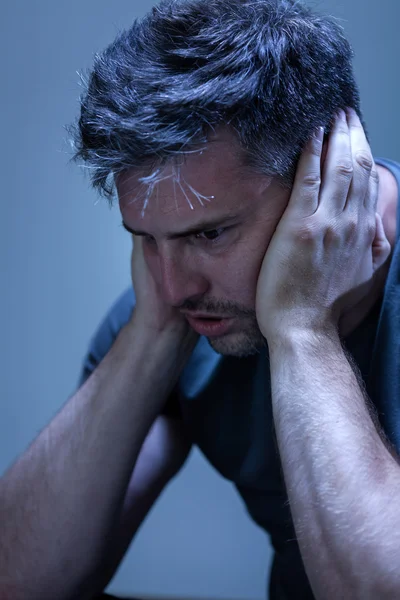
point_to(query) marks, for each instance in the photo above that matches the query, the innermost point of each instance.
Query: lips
(209, 326)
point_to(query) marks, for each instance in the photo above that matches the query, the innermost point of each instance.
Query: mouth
(200, 315)
(209, 325)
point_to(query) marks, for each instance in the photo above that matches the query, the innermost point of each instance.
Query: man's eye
(149, 239)
(211, 235)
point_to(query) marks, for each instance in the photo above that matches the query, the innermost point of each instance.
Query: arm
(162, 455)
(323, 262)
(61, 501)
(343, 482)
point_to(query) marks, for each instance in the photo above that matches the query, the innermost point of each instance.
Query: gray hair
(271, 70)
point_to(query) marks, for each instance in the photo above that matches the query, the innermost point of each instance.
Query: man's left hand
(330, 240)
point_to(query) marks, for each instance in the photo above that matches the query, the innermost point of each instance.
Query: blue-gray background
(64, 259)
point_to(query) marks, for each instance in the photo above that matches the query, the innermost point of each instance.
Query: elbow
(379, 588)
(368, 573)
(371, 583)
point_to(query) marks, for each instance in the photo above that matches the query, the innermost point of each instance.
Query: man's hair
(271, 70)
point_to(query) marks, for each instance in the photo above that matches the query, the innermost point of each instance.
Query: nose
(181, 280)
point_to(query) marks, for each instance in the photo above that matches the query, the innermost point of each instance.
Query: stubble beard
(245, 342)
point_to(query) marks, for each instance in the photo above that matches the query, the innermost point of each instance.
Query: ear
(381, 247)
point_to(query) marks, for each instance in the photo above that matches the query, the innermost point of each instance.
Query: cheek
(237, 273)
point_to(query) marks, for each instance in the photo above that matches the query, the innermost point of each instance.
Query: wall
(64, 259)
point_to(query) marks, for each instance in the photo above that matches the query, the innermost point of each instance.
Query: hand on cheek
(329, 242)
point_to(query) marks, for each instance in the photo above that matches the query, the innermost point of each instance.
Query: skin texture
(219, 276)
(329, 244)
(307, 259)
(342, 475)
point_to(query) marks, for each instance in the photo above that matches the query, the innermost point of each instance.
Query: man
(263, 325)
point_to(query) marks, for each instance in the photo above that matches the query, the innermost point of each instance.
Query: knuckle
(342, 128)
(312, 180)
(352, 226)
(332, 234)
(306, 234)
(356, 124)
(344, 169)
(364, 160)
(374, 176)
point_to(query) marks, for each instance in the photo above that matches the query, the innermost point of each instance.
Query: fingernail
(341, 115)
(319, 133)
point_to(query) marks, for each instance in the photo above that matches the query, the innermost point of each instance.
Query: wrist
(291, 336)
(171, 344)
(170, 333)
(152, 362)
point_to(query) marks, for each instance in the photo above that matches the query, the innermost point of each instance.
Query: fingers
(137, 250)
(347, 179)
(364, 181)
(371, 197)
(338, 169)
(306, 187)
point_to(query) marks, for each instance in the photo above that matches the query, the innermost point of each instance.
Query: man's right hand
(150, 310)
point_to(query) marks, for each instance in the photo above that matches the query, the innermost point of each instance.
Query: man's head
(211, 98)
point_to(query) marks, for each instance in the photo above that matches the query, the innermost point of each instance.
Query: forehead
(211, 183)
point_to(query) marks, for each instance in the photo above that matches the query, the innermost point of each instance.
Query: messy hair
(271, 70)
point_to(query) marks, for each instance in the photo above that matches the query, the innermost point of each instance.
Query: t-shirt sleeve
(106, 333)
(104, 337)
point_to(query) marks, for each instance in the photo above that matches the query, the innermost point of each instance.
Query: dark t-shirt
(225, 403)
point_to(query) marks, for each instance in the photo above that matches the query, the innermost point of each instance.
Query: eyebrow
(199, 228)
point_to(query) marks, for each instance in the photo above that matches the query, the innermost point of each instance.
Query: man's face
(214, 271)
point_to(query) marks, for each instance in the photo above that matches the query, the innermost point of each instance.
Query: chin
(242, 344)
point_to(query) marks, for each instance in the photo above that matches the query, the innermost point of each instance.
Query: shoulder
(115, 318)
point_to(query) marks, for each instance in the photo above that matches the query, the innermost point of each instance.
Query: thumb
(381, 247)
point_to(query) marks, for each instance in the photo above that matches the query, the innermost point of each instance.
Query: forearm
(343, 483)
(61, 500)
